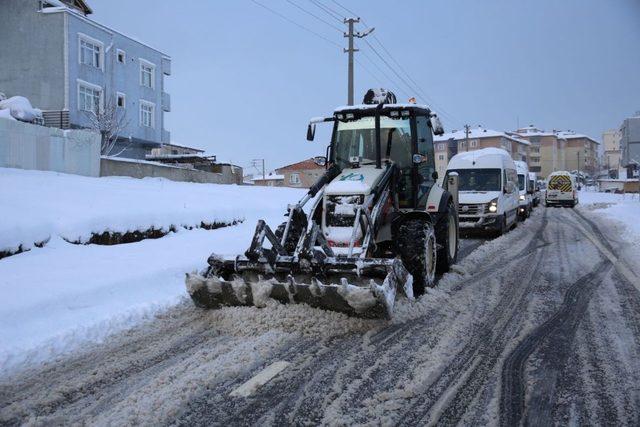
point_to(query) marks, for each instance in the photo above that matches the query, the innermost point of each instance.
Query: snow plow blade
(358, 297)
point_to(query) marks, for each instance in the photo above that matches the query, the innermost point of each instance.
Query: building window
(121, 100)
(474, 144)
(89, 97)
(147, 112)
(90, 52)
(441, 157)
(122, 56)
(294, 178)
(147, 73)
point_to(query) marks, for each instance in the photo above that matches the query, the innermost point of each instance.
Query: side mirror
(311, 131)
(320, 160)
(434, 175)
(436, 124)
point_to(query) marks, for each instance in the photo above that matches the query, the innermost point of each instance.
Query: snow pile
(19, 108)
(56, 298)
(621, 207)
(42, 205)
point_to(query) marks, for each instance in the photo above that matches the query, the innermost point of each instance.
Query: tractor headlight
(493, 205)
(522, 197)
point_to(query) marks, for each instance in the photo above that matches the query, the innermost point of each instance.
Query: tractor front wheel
(448, 237)
(417, 249)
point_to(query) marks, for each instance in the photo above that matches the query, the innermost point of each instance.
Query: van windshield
(478, 179)
(521, 182)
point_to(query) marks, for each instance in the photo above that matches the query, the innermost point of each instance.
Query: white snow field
(57, 297)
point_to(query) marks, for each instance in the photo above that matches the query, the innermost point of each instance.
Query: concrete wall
(32, 54)
(110, 166)
(27, 146)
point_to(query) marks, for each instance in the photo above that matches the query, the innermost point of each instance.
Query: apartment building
(580, 153)
(71, 67)
(611, 141)
(559, 150)
(449, 144)
(630, 144)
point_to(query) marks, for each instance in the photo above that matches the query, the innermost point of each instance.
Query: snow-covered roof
(489, 157)
(569, 134)
(478, 133)
(270, 177)
(373, 106)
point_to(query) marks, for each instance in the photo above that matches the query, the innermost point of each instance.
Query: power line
(291, 21)
(420, 92)
(291, 2)
(328, 11)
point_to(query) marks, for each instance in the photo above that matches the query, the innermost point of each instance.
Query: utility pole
(578, 165)
(255, 163)
(351, 50)
(466, 138)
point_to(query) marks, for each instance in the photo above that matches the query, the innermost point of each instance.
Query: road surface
(540, 327)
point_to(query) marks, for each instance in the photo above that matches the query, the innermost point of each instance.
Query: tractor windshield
(357, 138)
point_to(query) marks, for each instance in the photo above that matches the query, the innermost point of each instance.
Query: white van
(561, 189)
(535, 188)
(525, 201)
(487, 189)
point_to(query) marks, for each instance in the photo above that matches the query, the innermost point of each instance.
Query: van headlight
(522, 197)
(493, 205)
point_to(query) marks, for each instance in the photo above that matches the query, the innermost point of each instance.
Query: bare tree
(109, 121)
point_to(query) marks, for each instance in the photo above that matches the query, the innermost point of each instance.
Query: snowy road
(541, 326)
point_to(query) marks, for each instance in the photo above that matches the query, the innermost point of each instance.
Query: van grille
(472, 209)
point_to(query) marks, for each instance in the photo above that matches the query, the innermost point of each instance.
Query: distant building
(69, 65)
(272, 179)
(302, 174)
(611, 141)
(630, 144)
(297, 175)
(449, 144)
(546, 151)
(581, 152)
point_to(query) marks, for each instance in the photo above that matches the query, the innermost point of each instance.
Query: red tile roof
(305, 164)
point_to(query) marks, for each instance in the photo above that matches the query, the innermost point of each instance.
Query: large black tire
(448, 236)
(416, 243)
(502, 230)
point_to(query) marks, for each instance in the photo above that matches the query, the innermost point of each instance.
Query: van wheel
(416, 244)
(503, 227)
(448, 237)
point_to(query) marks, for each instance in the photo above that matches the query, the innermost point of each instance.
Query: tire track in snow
(560, 330)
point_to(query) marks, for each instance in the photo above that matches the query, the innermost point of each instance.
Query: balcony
(166, 102)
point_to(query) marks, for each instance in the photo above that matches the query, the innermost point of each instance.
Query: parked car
(561, 189)
(488, 189)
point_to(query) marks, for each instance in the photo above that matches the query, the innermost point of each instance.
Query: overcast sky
(245, 81)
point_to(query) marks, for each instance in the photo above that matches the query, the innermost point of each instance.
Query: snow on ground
(621, 207)
(57, 297)
(37, 206)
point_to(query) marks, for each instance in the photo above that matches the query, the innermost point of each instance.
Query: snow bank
(20, 108)
(38, 206)
(56, 298)
(621, 207)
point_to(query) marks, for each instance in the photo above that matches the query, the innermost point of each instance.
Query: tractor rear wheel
(448, 237)
(417, 248)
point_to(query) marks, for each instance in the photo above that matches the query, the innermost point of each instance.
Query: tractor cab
(377, 136)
